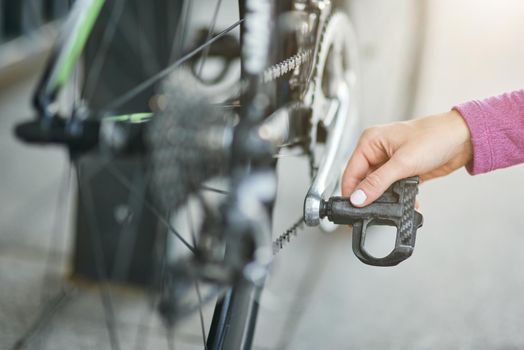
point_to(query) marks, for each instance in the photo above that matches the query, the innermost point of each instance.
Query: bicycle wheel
(197, 129)
(121, 88)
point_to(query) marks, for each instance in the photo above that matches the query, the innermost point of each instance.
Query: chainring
(336, 59)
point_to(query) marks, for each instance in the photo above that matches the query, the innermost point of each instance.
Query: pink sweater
(497, 131)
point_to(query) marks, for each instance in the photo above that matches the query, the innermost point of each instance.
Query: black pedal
(396, 207)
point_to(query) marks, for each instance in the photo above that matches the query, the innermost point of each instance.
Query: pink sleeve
(497, 131)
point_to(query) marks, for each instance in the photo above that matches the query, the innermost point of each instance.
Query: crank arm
(396, 207)
(337, 150)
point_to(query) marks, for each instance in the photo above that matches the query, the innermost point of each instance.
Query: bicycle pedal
(396, 207)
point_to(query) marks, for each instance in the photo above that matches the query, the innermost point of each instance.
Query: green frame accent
(135, 118)
(76, 31)
(85, 29)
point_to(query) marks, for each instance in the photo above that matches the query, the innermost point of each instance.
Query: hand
(429, 147)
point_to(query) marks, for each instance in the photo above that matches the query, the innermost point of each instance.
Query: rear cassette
(188, 139)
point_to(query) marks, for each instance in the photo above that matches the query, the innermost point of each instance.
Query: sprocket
(336, 61)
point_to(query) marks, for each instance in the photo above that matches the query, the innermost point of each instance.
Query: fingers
(377, 182)
(357, 169)
(370, 171)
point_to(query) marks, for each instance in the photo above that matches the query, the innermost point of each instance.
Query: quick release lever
(396, 207)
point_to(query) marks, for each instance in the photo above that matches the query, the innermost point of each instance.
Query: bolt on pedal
(396, 207)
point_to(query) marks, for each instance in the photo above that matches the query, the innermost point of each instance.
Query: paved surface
(462, 289)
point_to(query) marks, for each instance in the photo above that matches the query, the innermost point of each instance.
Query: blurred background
(462, 289)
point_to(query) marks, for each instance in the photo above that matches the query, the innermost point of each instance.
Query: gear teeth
(183, 153)
(315, 81)
(282, 68)
(278, 71)
(291, 65)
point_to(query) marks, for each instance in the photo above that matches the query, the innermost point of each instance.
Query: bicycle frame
(66, 53)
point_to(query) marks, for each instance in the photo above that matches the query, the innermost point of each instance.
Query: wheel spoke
(149, 60)
(118, 102)
(107, 37)
(100, 264)
(143, 329)
(307, 285)
(60, 212)
(201, 314)
(181, 30)
(170, 338)
(197, 287)
(205, 54)
(129, 231)
(294, 143)
(190, 224)
(290, 155)
(43, 320)
(117, 174)
(215, 190)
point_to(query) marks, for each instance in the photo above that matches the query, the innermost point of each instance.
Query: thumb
(377, 182)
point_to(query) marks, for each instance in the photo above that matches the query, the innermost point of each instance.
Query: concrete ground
(462, 289)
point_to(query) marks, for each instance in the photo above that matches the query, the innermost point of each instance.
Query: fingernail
(358, 197)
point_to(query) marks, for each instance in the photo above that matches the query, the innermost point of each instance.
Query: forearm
(497, 131)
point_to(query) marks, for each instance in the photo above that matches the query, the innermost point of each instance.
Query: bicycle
(214, 147)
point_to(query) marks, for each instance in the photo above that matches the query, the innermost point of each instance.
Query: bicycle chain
(272, 73)
(285, 237)
(280, 69)
(276, 71)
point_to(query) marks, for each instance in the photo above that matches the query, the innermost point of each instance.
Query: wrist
(460, 130)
